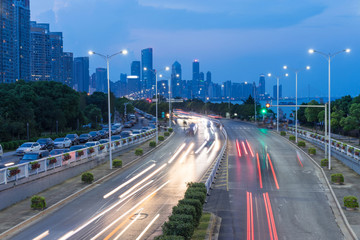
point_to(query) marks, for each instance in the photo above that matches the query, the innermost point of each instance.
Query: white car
(91, 144)
(28, 147)
(62, 142)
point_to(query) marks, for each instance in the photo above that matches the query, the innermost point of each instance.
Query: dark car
(46, 143)
(58, 151)
(95, 136)
(77, 147)
(128, 124)
(84, 138)
(74, 138)
(115, 138)
(103, 134)
(126, 134)
(33, 156)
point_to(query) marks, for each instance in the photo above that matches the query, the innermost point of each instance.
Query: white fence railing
(21, 171)
(342, 147)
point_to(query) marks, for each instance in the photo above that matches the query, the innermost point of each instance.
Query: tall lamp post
(107, 59)
(169, 86)
(277, 98)
(296, 97)
(157, 100)
(328, 57)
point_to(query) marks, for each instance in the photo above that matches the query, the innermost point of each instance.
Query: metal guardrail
(211, 177)
(25, 170)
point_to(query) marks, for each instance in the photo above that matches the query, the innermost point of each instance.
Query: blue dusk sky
(236, 40)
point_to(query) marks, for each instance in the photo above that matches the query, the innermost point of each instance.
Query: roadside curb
(213, 230)
(346, 223)
(73, 196)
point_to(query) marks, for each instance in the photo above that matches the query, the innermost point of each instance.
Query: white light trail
(187, 152)
(147, 227)
(177, 153)
(41, 236)
(127, 227)
(201, 147)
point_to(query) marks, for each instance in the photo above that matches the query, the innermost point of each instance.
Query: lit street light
(277, 99)
(296, 98)
(328, 57)
(107, 59)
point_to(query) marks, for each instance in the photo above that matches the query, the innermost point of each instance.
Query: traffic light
(267, 105)
(162, 114)
(264, 111)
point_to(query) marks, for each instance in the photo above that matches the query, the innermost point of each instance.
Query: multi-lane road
(273, 190)
(134, 204)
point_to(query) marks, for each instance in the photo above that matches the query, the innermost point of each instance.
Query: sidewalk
(351, 184)
(21, 211)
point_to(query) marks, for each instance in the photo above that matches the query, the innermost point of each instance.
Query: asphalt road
(134, 204)
(279, 196)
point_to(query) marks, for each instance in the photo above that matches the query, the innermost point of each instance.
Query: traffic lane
(299, 186)
(95, 203)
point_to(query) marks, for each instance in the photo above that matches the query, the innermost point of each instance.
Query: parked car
(103, 134)
(91, 144)
(77, 147)
(136, 131)
(145, 128)
(1, 152)
(126, 134)
(62, 143)
(152, 126)
(58, 151)
(104, 141)
(95, 136)
(115, 138)
(27, 147)
(33, 156)
(85, 138)
(128, 124)
(46, 143)
(74, 138)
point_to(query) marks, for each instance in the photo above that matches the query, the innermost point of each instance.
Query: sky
(236, 40)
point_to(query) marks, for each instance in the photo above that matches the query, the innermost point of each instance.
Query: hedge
(117, 163)
(170, 129)
(324, 162)
(166, 134)
(38, 202)
(161, 138)
(351, 202)
(292, 138)
(139, 152)
(184, 229)
(195, 194)
(196, 204)
(312, 151)
(283, 133)
(337, 178)
(152, 144)
(170, 237)
(301, 144)
(87, 177)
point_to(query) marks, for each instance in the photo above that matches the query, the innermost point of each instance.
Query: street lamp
(296, 91)
(156, 93)
(107, 59)
(169, 86)
(277, 98)
(328, 57)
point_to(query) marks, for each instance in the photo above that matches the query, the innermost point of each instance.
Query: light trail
(142, 181)
(129, 181)
(129, 211)
(186, 153)
(273, 172)
(211, 147)
(242, 142)
(177, 153)
(299, 160)
(127, 227)
(41, 236)
(267, 202)
(250, 216)
(201, 147)
(238, 148)
(147, 227)
(252, 154)
(258, 164)
(268, 218)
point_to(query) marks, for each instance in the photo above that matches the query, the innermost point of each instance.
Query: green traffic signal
(263, 111)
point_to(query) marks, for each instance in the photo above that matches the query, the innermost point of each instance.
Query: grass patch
(200, 231)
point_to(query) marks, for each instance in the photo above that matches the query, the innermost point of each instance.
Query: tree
(311, 113)
(352, 122)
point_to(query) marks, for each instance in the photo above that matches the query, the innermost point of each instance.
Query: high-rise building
(22, 39)
(147, 76)
(195, 77)
(67, 68)
(275, 91)
(226, 93)
(40, 57)
(81, 74)
(101, 80)
(261, 85)
(56, 53)
(135, 68)
(176, 83)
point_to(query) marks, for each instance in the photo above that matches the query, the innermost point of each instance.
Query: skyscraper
(40, 58)
(262, 85)
(56, 53)
(67, 68)
(135, 68)
(81, 74)
(147, 76)
(101, 80)
(195, 78)
(176, 83)
(275, 91)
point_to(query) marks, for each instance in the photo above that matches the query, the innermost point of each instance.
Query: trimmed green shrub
(170, 129)
(185, 230)
(351, 202)
(181, 218)
(283, 133)
(38, 202)
(196, 185)
(301, 144)
(292, 138)
(87, 177)
(312, 151)
(169, 237)
(166, 134)
(139, 152)
(324, 162)
(184, 209)
(152, 144)
(196, 204)
(195, 194)
(161, 138)
(337, 178)
(117, 163)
